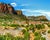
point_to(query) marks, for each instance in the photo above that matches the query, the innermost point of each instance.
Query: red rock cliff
(6, 8)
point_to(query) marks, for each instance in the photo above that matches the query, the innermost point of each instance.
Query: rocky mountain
(7, 8)
(38, 18)
(7, 11)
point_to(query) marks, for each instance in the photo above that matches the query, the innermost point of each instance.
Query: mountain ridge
(38, 18)
(8, 10)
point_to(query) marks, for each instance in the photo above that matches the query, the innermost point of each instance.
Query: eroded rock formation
(6, 8)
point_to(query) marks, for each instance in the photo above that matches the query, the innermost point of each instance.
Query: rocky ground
(18, 32)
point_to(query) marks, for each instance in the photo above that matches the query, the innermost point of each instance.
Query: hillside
(37, 18)
(16, 26)
(8, 12)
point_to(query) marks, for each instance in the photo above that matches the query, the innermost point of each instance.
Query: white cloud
(44, 12)
(25, 5)
(14, 4)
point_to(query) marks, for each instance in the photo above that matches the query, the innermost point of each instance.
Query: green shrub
(48, 25)
(10, 37)
(19, 38)
(43, 38)
(4, 24)
(26, 35)
(37, 38)
(31, 27)
(14, 25)
(24, 31)
(40, 26)
(48, 31)
(37, 34)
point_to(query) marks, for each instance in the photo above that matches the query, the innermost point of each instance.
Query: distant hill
(38, 18)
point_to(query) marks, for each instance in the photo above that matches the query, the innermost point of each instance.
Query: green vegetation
(13, 25)
(38, 36)
(24, 31)
(40, 26)
(26, 35)
(48, 25)
(30, 27)
(9, 37)
(43, 38)
(48, 31)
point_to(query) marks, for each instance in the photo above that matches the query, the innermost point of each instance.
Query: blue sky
(31, 7)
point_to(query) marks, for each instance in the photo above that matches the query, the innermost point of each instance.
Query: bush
(24, 31)
(31, 27)
(43, 38)
(19, 38)
(6, 37)
(37, 38)
(48, 25)
(37, 34)
(14, 25)
(4, 24)
(40, 26)
(48, 31)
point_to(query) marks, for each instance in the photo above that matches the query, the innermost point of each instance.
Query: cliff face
(7, 12)
(7, 8)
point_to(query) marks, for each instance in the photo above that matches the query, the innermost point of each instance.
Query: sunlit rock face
(19, 12)
(6, 8)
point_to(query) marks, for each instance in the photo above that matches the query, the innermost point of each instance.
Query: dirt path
(10, 31)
